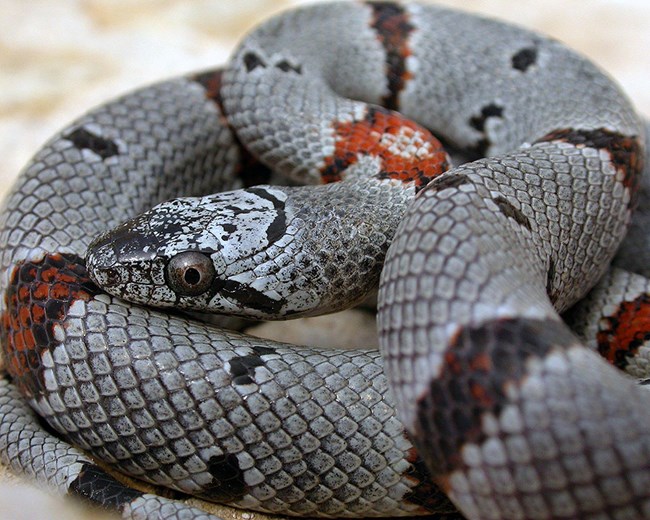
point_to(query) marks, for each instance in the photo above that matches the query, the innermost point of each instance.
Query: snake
(166, 203)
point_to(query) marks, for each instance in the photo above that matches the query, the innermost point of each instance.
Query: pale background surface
(61, 57)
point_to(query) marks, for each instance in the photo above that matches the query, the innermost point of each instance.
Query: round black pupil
(192, 276)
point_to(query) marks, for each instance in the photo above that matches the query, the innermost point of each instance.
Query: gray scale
(159, 408)
(315, 432)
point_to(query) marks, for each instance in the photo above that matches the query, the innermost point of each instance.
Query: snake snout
(101, 262)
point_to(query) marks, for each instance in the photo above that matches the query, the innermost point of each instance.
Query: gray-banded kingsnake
(511, 416)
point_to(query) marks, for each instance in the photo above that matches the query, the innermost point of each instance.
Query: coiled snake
(510, 415)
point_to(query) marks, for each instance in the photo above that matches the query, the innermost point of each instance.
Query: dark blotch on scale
(491, 110)
(211, 82)
(285, 66)
(243, 368)
(523, 59)
(252, 61)
(511, 212)
(228, 484)
(550, 278)
(426, 494)
(86, 140)
(445, 181)
(97, 487)
(478, 123)
(263, 351)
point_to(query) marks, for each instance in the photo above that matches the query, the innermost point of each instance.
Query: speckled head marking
(253, 252)
(190, 251)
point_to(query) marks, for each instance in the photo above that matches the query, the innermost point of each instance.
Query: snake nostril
(110, 276)
(103, 274)
(101, 264)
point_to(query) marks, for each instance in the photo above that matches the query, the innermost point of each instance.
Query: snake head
(202, 254)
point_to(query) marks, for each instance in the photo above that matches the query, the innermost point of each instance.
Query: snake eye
(190, 273)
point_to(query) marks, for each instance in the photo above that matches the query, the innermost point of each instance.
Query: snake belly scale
(483, 404)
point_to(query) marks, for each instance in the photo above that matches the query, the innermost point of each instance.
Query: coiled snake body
(510, 415)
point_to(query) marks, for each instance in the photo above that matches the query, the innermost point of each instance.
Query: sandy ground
(60, 57)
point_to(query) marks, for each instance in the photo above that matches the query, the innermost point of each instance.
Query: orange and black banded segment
(408, 151)
(479, 364)
(625, 151)
(38, 299)
(391, 24)
(625, 331)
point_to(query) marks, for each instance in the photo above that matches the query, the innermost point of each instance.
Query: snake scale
(482, 404)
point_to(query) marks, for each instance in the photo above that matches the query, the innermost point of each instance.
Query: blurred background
(60, 57)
